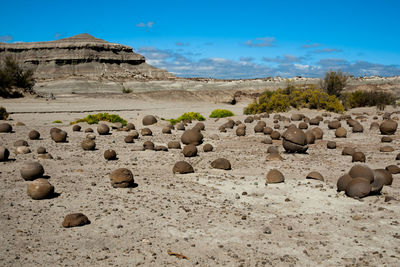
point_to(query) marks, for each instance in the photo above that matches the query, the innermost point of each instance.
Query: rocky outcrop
(82, 56)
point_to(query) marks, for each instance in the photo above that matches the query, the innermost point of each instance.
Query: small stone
(274, 176)
(75, 219)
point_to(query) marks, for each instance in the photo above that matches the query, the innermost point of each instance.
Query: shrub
(221, 113)
(281, 100)
(334, 82)
(126, 91)
(3, 113)
(188, 116)
(57, 121)
(368, 99)
(13, 76)
(95, 118)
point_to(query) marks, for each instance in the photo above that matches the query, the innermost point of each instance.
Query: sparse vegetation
(221, 113)
(126, 91)
(57, 121)
(334, 82)
(368, 99)
(188, 116)
(13, 79)
(95, 118)
(282, 99)
(3, 113)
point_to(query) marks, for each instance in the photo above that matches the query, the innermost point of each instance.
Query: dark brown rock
(4, 153)
(146, 132)
(174, 145)
(88, 130)
(221, 163)
(388, 127)
(274, 176)
(5, 127)
(343, 181)
(20, 143)
(134, 134)
(121, 178)
(110, 154)
(149, 120)
(294, 140)
(386, 139)
(310, 137)
(40, 189)
(88, 144)
(384, 175)
(348, 151)
(182, 167)
(76, 128)
(130, 126)
(358, 157)
(275, 135)
(334, 124)
(362, 171)
(331, 145)
(267, 130)
(318, 133)
(166, 130)
(103, 129)
(160, 148)
(386, 149)
(31, 170)
(393, 169)
(190, 151)
(34, 135)
(208, 148)
(192, 136)
(75, 219)
(148, 145)
(41, 150)
(315, 175)
(341, 132)
(358, 188)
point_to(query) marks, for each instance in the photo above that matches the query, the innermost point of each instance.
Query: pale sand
(196, 214)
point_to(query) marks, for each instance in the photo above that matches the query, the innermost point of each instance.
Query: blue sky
(226, 39)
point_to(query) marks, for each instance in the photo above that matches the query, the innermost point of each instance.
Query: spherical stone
(310, 137)
(362, 171)
(208, 148)
(34, 135)
(318, 133)
(76, 128)
(40, 189)
(303, 125)
(75, 219)
(229, 124)
(341, 132)
(200, 126)
(334, 124)
(192, 136)
(4, 153)
(90, 136)
(22, 150)
(374, 126)
(377, 185)
(275, 135)
(59, 136)
(297, 117)
(31, 170)
(274, 176)
(20, 143)
(190, 150)
(388, 127)
(386, 149)
(331, 145)
(134, 134)
(277, 126)
(222, 129)
(240, 131)
(386, 139)
(160, 148)
(358, 128)
(148, 145)
(343, 181)
(358, 188)
(174, 145)
(103, 129)
(121, 178)
(146, 132)
(88, 144)
(384, 175)
(130, 126)
(180, 127)
(393, 169)
(267, 130)
(358, 157)
(110, 154)
(272, 149)
(266, 140)
(129, 139)
(259, 128)
(293, 148)
(314, 121)
(348, 151)
(182, 167)
(149, 120)
(41, 150)
(315, 175)
(54, 130)
(166, 130)
(221, 163)
(274, 157)
(88, 130)
(5, 128)
(249, 119)
(295, 135)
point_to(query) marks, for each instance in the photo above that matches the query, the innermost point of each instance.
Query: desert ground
(212, 217)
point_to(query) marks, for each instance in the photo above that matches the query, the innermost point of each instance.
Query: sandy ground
(214, 217)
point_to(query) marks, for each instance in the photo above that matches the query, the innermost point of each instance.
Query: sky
(226, 39)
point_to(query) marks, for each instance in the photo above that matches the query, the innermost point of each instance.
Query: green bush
(188, 116)
(126, 91)
(334, 82)
(368, 99)
(3, 113)
(13, 76)
(281, 101)
(221, 113)
(95, 118)
(57, 121)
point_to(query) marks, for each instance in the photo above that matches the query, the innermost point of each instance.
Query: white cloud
(261, 42)
(145, 25)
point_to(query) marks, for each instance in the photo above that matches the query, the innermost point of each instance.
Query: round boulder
(174, 145)
(192, 136)
(358, 188)
(103, 129)
(5, 128)
(146, 132)
(208, 148)
(130, 126)
(388, 127)
(148, 145)
(59, 136)
(41, 150)
(110, 154)
(334, 124)
(76, 128)
(4, 153)
(34, 135)
(88, 144)
(384, 175)
(341, 132)
(31, 170)
(318, 133)
(40, 189)
(274, 176)
(386, 149)
(190, 150)
(129, 139)
(315, 175)
(221, 163)
(348, 151)
(294, 140)
(166, 130)
(393, 169)
(358, 157)
(275, 135)
(182, 167)
(75, 219)
(20, 143)
(149, 120)
(331, 145)
(310, 137)
(121, 178)
(362, 171)
(343, 181)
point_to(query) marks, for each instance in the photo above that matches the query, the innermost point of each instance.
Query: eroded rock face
(82, 54)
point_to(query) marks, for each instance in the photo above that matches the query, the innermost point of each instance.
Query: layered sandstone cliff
(82, 56)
